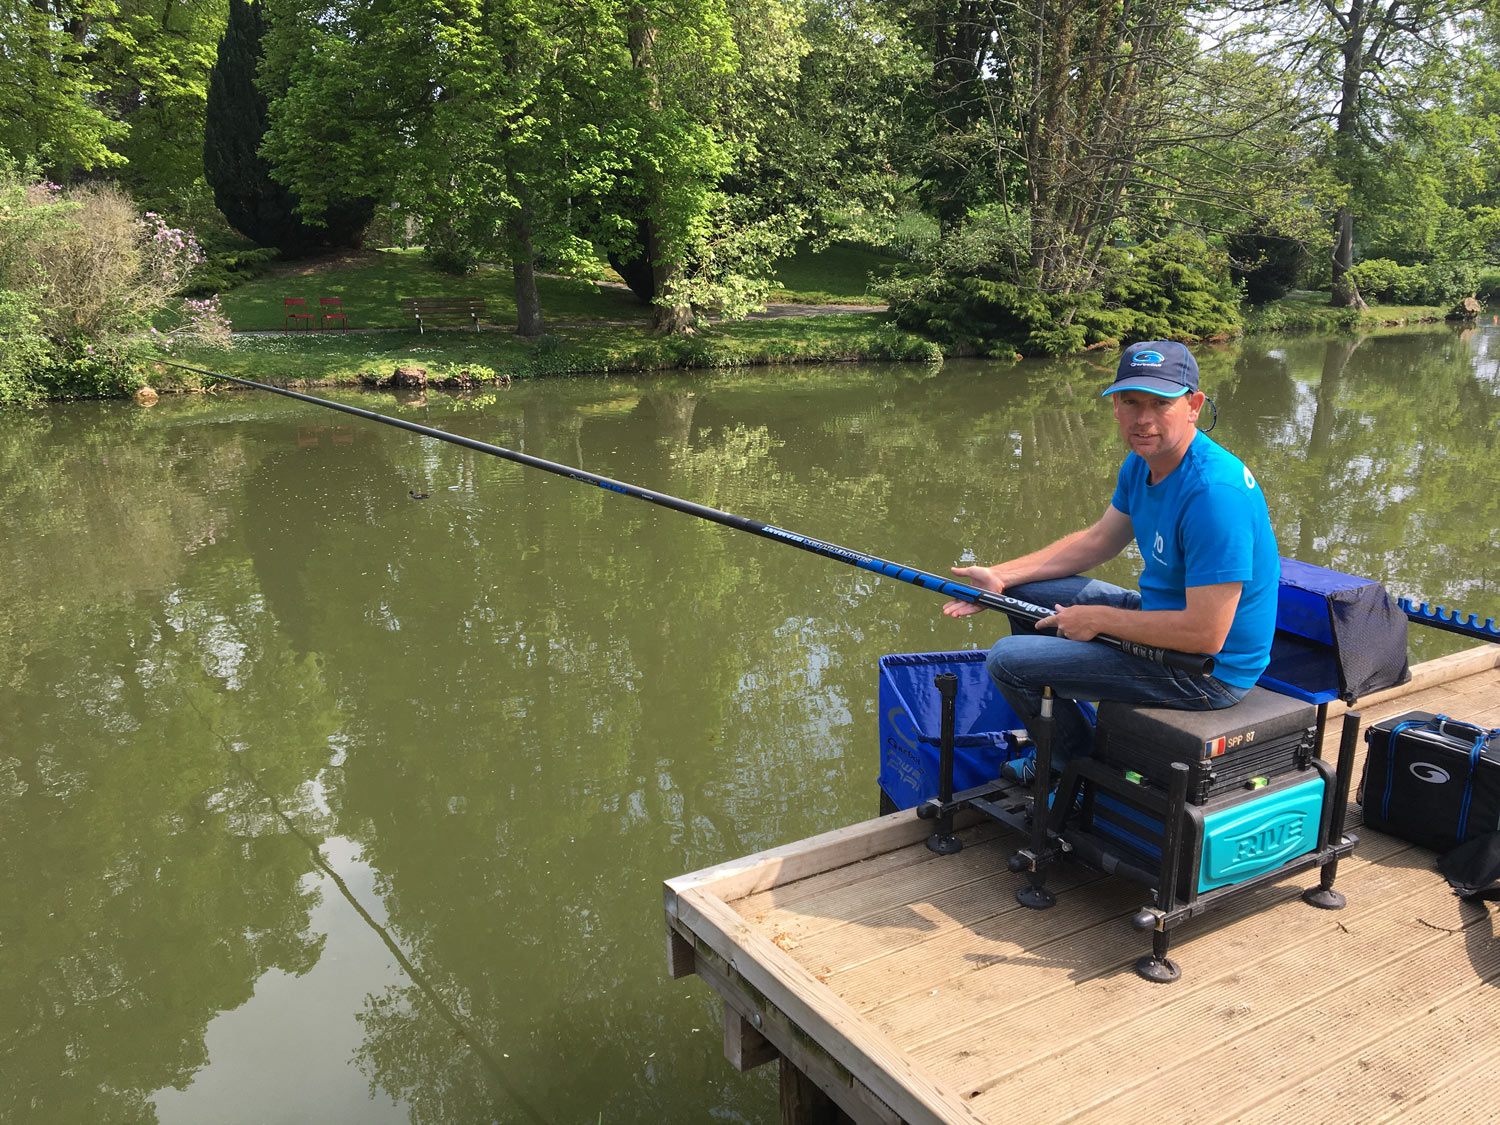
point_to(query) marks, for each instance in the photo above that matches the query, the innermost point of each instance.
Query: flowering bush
(91, 274)
(206, 322)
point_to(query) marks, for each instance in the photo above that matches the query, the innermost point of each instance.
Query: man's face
(1157, 428)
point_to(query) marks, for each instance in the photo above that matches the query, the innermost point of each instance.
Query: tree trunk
(529, 322)
(1345, 294)
(665, 259)
(667, 318)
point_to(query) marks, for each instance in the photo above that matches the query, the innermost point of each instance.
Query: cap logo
(1147, 359)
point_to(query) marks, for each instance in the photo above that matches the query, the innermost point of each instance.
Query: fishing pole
(1197, 664)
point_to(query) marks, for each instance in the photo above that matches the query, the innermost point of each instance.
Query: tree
(235, 124)
(152, 58)
(1362, 64)
(49, 112)
(462, 115)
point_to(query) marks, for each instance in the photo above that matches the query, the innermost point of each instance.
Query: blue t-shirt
(1207, 523)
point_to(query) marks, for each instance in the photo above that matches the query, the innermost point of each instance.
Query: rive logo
(1426, 771)
(1147, 359)
(1269, 840)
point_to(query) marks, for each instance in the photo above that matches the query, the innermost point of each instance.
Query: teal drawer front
(1259, 835)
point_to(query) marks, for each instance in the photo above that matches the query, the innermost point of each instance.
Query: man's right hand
(981, 578)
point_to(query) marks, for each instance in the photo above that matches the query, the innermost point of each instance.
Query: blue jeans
(1027, 661)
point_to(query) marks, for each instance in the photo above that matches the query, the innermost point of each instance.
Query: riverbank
(355, 358)
(828, 310)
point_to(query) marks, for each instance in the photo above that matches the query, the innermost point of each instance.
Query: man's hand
(981, 578)
(1074, 622)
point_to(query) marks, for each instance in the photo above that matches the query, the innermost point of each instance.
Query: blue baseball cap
(1158, 367)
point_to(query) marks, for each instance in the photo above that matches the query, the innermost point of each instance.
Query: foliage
(236, 121)
(1439, 283)
(87, 274)
(50, 113)
(1174, 289)
(1369, 69)
(1268, 264)
(23, 349)
(153, 59)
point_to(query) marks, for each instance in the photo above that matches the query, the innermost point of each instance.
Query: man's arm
(1072, 554)
(1200, 626)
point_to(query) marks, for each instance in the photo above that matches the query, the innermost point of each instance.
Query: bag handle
(1445, 725)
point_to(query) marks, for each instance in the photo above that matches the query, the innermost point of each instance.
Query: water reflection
(409, 772)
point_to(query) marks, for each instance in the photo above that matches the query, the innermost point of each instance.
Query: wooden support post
(744, 1046)
(803, 1101)
(681, 959)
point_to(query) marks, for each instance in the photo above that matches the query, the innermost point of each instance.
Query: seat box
(1263, 735)
(1227, 839)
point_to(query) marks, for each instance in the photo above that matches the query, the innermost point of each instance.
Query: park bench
(438, 311)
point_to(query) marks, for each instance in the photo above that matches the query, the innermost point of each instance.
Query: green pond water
(319, 802)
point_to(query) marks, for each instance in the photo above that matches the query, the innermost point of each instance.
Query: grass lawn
(1304, 310)
(370, 281)
(839, 275)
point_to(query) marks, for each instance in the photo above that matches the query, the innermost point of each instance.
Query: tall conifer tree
(254, 203)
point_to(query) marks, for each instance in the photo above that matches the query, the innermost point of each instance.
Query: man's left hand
(1074, 622)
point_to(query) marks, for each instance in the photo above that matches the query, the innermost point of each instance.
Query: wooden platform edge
(815, 1031)
(787, 863)
(755, 973)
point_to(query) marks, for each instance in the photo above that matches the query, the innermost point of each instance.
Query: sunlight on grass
(370, 282)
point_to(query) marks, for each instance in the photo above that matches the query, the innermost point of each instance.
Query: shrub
(86, 275)
(1436, 283)
(23, 349)
(1487, 286)
(1170, 289)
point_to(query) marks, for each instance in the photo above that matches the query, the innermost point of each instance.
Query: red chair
(336, 304)
(295, 314)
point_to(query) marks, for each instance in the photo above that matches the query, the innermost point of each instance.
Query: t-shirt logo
(1249, 480)
(1157, 548)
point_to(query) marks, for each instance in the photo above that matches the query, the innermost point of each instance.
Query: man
(1209, 583)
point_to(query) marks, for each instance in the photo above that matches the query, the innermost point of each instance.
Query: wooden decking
(909, 986)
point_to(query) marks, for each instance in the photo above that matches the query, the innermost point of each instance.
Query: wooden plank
(945, 1002)
(828, 892)
(887, 1072)
(1386, 1045)
(875, 919)
(984, 1016)
(1466, 1092)
(827, 851)
(681, 961)
(1264, 1015)
(803, 1102)
(1086, 932)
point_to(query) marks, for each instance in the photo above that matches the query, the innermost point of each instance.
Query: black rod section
(1196, 664)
